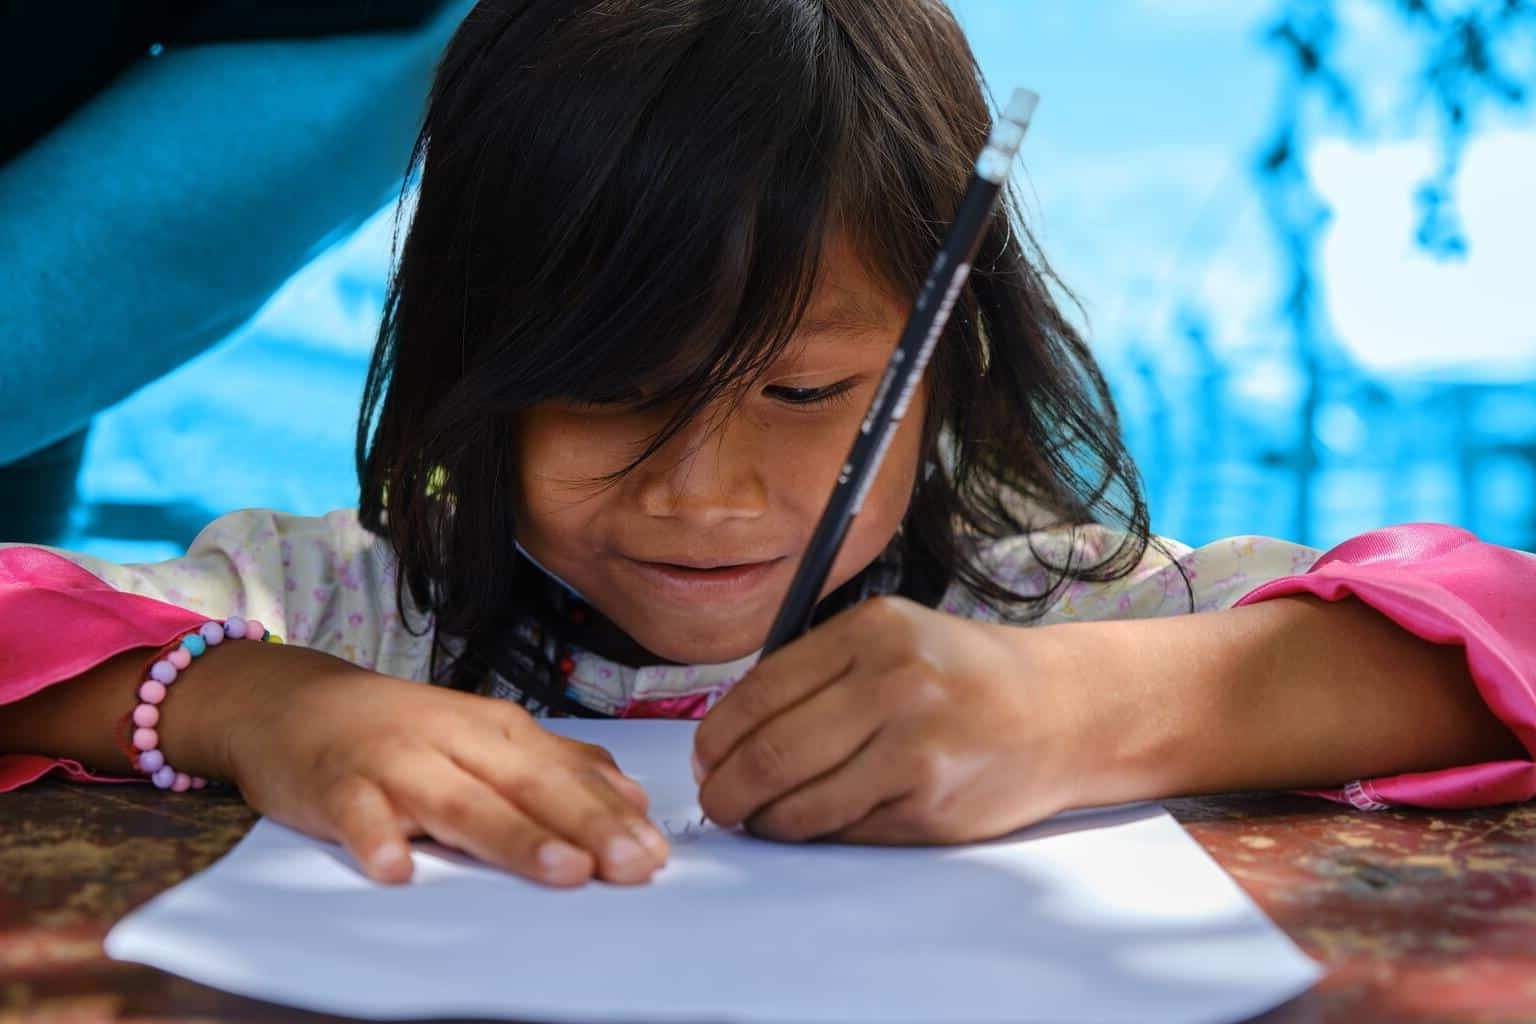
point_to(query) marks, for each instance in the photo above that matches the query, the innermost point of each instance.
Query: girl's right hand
(371, 760)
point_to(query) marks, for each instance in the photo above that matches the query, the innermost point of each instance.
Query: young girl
(660, 254)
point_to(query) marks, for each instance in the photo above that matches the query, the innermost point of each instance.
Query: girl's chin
(704, 652)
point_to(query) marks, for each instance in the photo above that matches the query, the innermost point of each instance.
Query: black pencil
(929, 315)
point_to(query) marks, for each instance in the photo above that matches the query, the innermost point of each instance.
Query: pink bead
(198, 782)
(163, 672)
(146, 739)
(212, 633)
(180, 657)
(146, 715)
(163, 777)
(151, 761)
(254, 629)
(151, 692)
(181, 783)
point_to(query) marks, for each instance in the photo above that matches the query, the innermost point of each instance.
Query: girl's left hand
(893, 723)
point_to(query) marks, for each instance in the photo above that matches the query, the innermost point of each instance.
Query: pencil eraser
(1022, 106)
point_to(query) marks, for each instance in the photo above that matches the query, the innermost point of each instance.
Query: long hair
(618, 191)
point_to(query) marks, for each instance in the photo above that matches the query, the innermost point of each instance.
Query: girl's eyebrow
(850, 315)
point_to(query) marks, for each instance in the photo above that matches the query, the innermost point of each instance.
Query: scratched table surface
(1417, 915)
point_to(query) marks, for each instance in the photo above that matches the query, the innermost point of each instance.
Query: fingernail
(698, 768)
(623, 851)
(557, 857)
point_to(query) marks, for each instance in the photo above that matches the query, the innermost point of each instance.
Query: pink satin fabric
(1439, 582)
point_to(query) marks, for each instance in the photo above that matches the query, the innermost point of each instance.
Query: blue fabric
(163, 213)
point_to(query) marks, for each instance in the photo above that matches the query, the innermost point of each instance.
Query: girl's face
(691, 553)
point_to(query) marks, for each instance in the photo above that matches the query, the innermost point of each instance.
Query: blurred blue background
(1299, 232)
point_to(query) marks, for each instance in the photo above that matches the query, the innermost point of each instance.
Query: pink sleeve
(1442, 584)
(56, 621)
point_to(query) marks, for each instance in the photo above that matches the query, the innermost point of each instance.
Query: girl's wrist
(212, 722)
(204, 707)
(1140, 713)
(276, 690)
(165, 667)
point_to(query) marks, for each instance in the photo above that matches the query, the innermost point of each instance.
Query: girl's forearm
(82, 718)
(1290, 693)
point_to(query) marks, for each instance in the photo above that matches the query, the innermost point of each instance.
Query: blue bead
(194, 644)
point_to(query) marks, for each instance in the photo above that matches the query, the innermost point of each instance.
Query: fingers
(592, 814)
(574, 798)
(628, 788)
(457, 808)
(834, 802)
(784, 678)
(609, 768)
(895, 822)
(366, 823)
(560, 830)
(786, 753)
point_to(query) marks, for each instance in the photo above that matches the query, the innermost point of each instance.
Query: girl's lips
(687, 584)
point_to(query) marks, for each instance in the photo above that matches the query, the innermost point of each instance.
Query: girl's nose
(709, 473)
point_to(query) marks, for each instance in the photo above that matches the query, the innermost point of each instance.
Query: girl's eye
(811, 396)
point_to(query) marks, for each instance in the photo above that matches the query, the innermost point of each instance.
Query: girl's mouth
(692, 583)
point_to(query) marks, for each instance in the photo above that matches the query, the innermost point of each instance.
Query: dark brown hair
(609, 191)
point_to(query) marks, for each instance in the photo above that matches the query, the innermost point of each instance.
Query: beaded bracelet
(159, 674)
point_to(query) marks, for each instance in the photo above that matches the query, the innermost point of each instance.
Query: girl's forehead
(850, 314)
(848, 299)
(844, 313)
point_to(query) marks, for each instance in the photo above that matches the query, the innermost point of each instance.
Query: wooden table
(1419, 916)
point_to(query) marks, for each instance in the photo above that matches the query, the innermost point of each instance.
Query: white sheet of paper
(1114, 915)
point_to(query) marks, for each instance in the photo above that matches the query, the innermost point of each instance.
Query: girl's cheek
(574, 448)
(555, 466)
